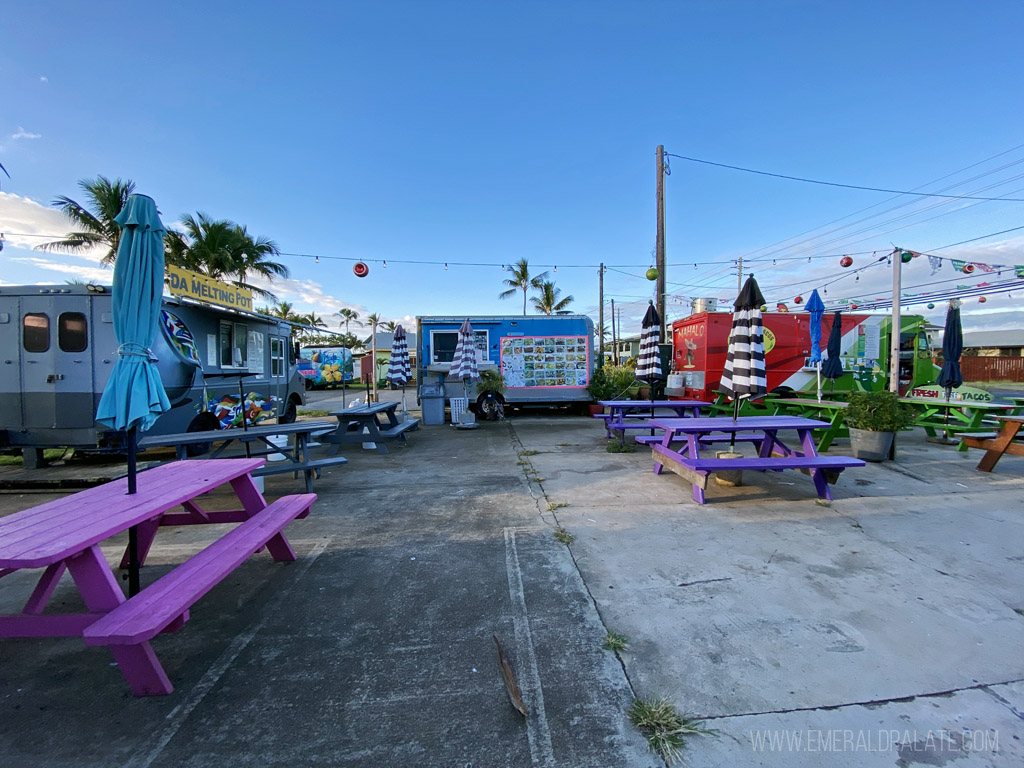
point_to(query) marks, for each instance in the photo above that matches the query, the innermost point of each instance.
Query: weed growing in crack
(613, 641)
(553, 505)
(663, 727)
(528, 453)
(564, 536)
(614, 446)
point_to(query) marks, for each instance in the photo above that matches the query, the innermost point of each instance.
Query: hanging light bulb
(825, 289)
(384, 263)
(502, 267)
(317, 259)
(446, 266)
(556, 268)
(773, 261)
(857, 280)
(694, 265)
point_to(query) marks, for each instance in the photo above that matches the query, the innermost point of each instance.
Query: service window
(234, 345)
(71, 332)
(35, 332)
(277, 366)
(443, 343)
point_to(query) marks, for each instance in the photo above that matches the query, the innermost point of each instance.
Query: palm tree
(389, 326)
(348, 315)
(283, 310)
(548, 302)
(521, 281)
(96, 225)
(254, 259)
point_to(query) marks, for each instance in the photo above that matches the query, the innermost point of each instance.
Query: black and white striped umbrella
(744, 374)
(648, 365)
(399, 370)
(464, 364)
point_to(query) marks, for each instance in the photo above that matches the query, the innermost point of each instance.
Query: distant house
(994, 343)
(384, 341)
(627, 347)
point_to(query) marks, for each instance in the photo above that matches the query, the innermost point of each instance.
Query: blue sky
(489, 132)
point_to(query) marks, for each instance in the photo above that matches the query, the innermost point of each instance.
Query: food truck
(700, 343)
(57, 347)
(545, 360)
(325, 366)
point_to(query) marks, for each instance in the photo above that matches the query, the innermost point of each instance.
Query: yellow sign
(192, 285)
(769, 341)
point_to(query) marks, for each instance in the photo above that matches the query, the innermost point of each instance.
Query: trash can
(432, 402)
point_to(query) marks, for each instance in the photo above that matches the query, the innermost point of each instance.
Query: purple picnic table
(635, 414)
(65, 534)
(772, 453)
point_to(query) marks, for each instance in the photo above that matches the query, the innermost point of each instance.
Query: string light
(317, 259)
(446, 266)
(384, 263)
(556, 268)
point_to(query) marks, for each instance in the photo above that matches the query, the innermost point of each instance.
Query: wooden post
(894, 338)
(660, 242)
(600, 315)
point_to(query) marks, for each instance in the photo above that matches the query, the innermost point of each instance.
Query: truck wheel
(290, 413)
(308, 384)
(204, 422)
(491, 406)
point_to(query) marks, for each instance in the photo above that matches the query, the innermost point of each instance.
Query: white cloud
(44, 79)
(92, 274)
(21, 133)
(27, 224)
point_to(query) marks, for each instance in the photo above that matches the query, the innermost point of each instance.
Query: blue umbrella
(817, 308)
(952, 348)
(134, 396)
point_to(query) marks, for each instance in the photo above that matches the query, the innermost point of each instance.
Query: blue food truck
(57, 348)
(544, 360)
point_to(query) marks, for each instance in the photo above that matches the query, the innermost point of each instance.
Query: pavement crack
(703, 581)
(1016, 712)
(876, 702)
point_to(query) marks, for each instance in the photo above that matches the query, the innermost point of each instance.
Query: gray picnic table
(375, 423)
(298, 459)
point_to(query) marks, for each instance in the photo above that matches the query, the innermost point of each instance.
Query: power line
(846, 186)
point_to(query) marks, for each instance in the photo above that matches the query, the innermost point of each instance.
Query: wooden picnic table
(1018, 404)
(635, 414)
(953, 416)
(375, 423)
(1009, 439)
(772, 453)
(65, 534)
(298, 458)
(832, 410)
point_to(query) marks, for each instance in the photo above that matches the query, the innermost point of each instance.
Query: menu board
(545, 361)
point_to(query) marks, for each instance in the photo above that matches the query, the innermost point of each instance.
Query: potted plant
(490, 391)
(874, 418)
(600, 387)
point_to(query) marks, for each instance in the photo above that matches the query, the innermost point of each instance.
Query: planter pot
(870, 446)
(729, 477)
(643, 393)
(595, 409)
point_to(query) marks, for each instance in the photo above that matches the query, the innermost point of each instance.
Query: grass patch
(49, 454)
(613, 641)
(564, 536)
(553, 505)
(522, 463)
(528, 453)
(614, 446)
(312, 412)
(663, 727)
(1019, 611)
(564, 445)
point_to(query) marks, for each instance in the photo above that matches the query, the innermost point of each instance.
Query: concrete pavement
(884, 629)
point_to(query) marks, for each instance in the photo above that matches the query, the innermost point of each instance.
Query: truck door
(56, 371)
(10, 365)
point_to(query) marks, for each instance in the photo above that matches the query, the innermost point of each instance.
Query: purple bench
(163, 605)
(704, 439)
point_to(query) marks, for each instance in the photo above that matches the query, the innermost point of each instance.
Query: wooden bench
(1009, 439)
(164, 604)
(696, 471)
(707, 439)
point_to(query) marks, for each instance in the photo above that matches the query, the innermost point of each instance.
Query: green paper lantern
(652, 274)
(931, 306)
(906, 256)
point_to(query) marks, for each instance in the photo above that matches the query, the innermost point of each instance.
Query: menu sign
(545, 361)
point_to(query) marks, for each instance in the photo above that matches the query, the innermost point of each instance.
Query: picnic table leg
(830, 434)
(973, 426)
(1006, 434)
(99, 590)
(147, 533)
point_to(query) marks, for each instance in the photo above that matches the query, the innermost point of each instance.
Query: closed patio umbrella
(832, 368)
(648, 366)
(134, 396)
(464, 363)
(744, 374)
(952, 347)
(399, 370)
(816, 307)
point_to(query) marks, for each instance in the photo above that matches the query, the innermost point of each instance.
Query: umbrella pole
(133, 532)
(241, 405)
(819, 381)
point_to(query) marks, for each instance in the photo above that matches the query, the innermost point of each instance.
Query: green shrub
(490, 381)
(878, 412)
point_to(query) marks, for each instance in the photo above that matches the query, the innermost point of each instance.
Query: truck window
(71, 332)
(35, 332)
(277, 366)
(233, 345)
(443, 343)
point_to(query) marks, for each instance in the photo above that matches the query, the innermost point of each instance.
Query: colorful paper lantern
(931, 306)
(982, 299)
(968, 268)
(846, 261)
(652, 274)
(906, 256)
(798, 300)
(360, 269)
(853, 306)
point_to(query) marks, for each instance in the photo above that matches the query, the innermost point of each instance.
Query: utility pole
(739, 275)
(894, 336)
(614, 344)
(600, 314)
(659, 247)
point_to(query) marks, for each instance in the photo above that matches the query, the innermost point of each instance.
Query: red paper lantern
(846, 261)
(982, 299)
(798, 300)
(853, 306)
(360, 269)
(968, 268)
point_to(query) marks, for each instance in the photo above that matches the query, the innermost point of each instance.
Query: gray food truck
(57, 348)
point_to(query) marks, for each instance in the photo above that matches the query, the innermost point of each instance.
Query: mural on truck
(328, 366)
(258, 407)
